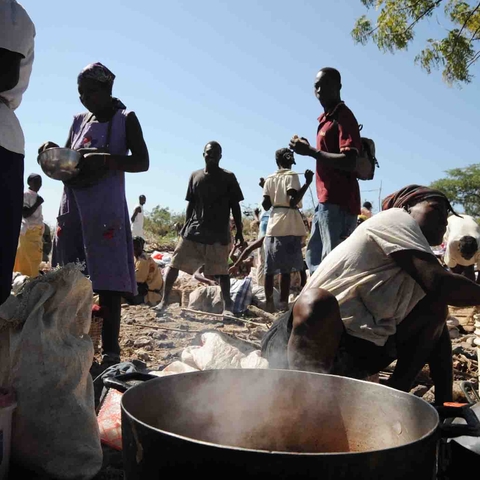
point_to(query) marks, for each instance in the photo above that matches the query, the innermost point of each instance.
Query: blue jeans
(331, 225)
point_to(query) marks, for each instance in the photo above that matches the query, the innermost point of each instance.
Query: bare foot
(228, 309)
(160, 309)
(282, 306)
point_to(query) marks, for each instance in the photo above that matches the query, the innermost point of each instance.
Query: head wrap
(412, 194)
(100, 73)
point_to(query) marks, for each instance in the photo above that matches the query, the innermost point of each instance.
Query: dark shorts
(283, 255)
(355, 358)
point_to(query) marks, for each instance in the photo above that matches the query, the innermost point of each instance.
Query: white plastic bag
(55, 429)
(216, 353)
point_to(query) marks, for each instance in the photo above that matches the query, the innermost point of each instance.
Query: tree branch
(475, 58)
(472, 13)
(426, 12)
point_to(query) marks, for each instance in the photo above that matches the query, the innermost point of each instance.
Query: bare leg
(111, 302)
(270, 305)
(303, 278)
(225, 286)
(316, 332)
(172, 274)
(284, 290)
(421, 339)
(441, 368)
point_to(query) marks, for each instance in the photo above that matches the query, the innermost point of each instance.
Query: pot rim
(398, 393)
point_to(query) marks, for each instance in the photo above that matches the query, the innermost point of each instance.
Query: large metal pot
(276, 424)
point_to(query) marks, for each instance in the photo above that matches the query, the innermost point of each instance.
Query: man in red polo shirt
(338, 144)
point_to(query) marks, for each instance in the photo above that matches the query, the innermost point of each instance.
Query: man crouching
(379, 296)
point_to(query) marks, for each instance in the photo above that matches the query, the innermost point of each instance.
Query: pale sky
(241, 73)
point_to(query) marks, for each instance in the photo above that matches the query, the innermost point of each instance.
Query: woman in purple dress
(93, 224)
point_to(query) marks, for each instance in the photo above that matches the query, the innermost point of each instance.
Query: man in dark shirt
(338, 144)
(205, 238)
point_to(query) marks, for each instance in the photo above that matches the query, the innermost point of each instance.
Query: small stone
(128, 342)
(165, 345)
(468, 328)
(143, 356)
(454, 332)
(430, 395)
(159, 336)
(142, 342)
(419, 390)
(452, 322)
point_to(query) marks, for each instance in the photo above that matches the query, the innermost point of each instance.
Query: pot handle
(127, 380)
(450, 430)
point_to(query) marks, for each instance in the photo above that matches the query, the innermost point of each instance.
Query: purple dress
(93, 225)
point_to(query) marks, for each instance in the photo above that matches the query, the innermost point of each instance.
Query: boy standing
(285, 230)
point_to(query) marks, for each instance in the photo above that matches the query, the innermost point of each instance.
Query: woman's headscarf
(412, 194)
(100, 73)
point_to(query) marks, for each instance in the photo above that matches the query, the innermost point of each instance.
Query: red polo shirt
(337, 133)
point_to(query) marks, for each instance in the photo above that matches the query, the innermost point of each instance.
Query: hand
(300, 145)
(92, 168)
(46, 146)
(239, 239)
(39, 200)
(87, 151)
(262, 182)
(233, 271)
(309, 176)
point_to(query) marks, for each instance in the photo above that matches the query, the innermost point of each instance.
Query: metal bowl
(59, 163)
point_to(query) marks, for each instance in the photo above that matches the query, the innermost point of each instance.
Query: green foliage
(161, 221)
(394, 30)
(462, 187)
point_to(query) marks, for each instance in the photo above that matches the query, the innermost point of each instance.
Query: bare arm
(425, 269)
(253, 246)
(199, 276)
(135, 213)
(267, 202)
(29, 211)
(139, 160)
(237, 217)
(297, 195)
(345, 161)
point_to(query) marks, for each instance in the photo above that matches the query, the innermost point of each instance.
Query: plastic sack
(48, 364)
(241, 293)
(216, 353)
(174, 368)
(206, 299)
(110, 420)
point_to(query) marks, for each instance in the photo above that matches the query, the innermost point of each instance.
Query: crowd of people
(375, 291)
